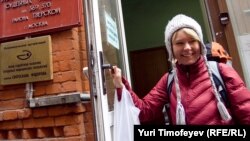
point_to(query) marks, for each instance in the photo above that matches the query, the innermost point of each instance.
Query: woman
(194, 99)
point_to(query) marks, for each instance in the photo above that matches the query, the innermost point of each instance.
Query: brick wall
(73, 121)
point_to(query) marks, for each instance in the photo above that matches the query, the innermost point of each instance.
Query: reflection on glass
(111, 42)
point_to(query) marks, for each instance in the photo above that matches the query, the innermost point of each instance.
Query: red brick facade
(73, 121)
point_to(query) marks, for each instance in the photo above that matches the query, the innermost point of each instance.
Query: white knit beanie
(176, 23)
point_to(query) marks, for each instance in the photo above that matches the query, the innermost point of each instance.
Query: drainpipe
(29, 91)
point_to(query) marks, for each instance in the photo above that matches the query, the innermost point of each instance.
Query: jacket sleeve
(152, 104)
(237, 93)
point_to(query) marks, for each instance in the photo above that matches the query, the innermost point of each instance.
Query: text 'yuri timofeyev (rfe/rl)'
(188, 132)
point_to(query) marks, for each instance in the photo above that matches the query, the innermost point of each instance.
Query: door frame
(103, 118)
(222, 33)
(91, 34)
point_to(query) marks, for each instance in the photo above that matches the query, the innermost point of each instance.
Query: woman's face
(186, 49)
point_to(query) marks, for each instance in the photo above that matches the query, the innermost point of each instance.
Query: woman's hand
(117, 77)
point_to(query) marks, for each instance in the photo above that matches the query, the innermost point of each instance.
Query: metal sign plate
(28, 60)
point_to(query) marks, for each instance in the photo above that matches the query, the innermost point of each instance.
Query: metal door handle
(107, 66)
(103, 67)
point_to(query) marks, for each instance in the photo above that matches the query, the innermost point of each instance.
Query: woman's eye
(192, 41)
(179, 43)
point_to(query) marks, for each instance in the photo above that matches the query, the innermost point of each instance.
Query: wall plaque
(27, 60)
(20, 18)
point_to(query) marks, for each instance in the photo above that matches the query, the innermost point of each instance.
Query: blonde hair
(189, 32)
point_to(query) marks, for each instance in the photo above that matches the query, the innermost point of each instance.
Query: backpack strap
(218, 81)
(214, 67)
(166, 108)
(170, 81)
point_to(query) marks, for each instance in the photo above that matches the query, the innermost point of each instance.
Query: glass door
(106, 47)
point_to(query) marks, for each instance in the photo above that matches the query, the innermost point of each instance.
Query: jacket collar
(193, 68)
